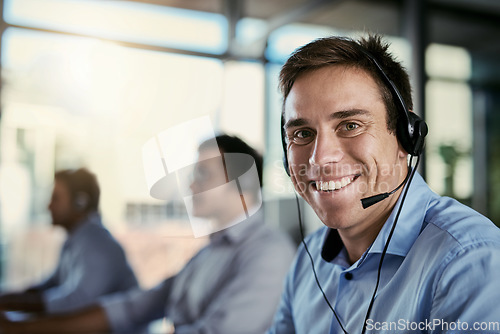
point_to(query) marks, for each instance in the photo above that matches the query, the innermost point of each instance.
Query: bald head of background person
(91, 263)
(231, 286)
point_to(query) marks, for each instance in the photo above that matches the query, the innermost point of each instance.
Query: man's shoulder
(315, 241)
(262, 239)
(95, 232)
(460, 224)
(93, 236)
(267, 235)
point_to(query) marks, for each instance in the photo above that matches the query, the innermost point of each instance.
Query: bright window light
(243, 102)
(449, 142)
(125, 21)
(449, 62)
(283, 41)
(86, 90)
(250, 29)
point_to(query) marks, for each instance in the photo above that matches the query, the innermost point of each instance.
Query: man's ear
(401, 152)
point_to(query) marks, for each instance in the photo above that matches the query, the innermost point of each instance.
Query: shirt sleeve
(467, 292)
(95, 267)
(48, 283)
(134, 309)
(283, 319)
(247, 302)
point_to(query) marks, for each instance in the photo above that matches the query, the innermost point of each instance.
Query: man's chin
(333, 202)
(336, 216)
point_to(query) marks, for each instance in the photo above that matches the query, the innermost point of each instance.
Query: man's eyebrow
(296, 122)
(348, 113)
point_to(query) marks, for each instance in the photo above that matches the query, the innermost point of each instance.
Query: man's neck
(358, 243)
(77, 220)
(358, 239)
(231, 216)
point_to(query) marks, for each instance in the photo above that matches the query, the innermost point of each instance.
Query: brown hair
(348, 52)
(81, 181)
(235, 168)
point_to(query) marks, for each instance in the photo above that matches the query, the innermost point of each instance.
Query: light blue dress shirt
(233, 285)
(92, 264)
(441, 274)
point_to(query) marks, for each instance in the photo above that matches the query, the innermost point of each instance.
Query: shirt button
(348, 276)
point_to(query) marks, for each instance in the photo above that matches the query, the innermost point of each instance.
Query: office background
(87, 83)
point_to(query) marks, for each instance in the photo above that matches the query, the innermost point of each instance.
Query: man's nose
(327, 150)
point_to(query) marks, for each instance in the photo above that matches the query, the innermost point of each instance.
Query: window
(125, 21)
(75, 95)
(449, 116)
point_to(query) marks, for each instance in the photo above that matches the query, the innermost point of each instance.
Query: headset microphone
(418, 132)
(369, 201)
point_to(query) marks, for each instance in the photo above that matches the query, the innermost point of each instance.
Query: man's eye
(351, 126)
(303, 136)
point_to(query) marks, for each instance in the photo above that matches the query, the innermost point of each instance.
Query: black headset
(81, 201)
(410, 128)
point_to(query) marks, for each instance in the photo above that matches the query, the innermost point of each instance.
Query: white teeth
(333, 185)
(345, 181)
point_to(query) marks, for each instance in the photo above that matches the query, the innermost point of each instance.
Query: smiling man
(392, 254)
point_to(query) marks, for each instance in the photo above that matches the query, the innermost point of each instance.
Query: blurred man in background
(91, 264)
(231, 286)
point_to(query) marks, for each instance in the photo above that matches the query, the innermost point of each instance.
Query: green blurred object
(450, 155)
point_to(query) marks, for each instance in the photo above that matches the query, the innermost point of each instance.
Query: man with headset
(393, 257)
(91, 264)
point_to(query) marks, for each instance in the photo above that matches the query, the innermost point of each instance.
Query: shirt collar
(239, 229)
(92, 218)
(409, 225)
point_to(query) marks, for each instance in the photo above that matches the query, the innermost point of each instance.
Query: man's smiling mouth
(332, 185)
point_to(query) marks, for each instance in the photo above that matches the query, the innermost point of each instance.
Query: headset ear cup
(81, 201)
(285, 164)
(283, 145)
(411, 133)
(420, 131)
(410, 129)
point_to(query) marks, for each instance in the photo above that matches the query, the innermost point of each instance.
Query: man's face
(339, 147)
(213, 198)
(60, 206)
